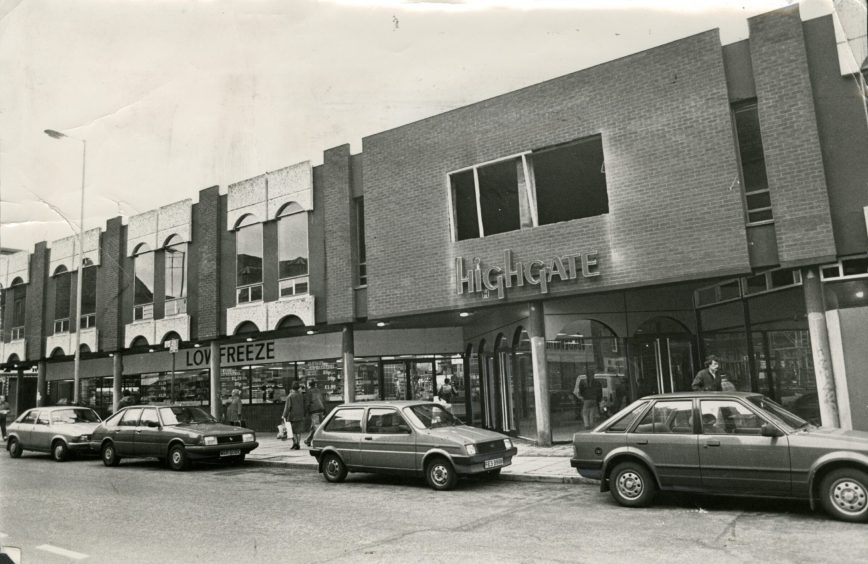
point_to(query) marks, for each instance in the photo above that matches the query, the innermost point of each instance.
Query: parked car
(172, 433)
(59, 430)
(730, 443)
(417, 438)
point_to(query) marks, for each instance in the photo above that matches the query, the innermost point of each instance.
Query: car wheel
(844, 495)
(333, 468)
(15, 448)
(632, 485)
(59, 451)
(178, 459)
(110, 455)
(440, 474)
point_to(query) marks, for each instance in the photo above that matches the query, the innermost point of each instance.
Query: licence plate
(493, 463)
(230, 452)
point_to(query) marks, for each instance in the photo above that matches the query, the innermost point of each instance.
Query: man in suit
(707, 380)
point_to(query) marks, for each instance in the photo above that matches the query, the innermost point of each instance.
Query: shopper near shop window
(233, 410)
(293, 412)
(4, 411)
(707, 379)
(315, 407)
(591, 393)
(126, 399)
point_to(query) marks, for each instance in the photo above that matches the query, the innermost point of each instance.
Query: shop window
(175, 254)
(143, 295)
(360, 242)
(248, 260)
(771, 281)
(292, 250)
(719, 293)
(88, 295)
(753, 165)
(539, 187)
(854, 267)
(62, 285)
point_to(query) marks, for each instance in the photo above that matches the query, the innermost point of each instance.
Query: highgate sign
(487, 278)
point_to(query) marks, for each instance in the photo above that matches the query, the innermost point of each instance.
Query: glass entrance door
(660, 364)
(408, 379)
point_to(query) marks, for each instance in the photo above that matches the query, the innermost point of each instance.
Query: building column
(347, 354)
(41, 387)
(537, 334)
(820, 349)
(216, 406)
(117, 379)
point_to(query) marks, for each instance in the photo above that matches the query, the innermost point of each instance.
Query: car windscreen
(777, 412)
(80, 415)
(431, 416)
(179, 415)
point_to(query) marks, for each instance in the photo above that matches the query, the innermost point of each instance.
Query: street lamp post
(77, 363)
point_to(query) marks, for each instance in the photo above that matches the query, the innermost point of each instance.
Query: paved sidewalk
(531, 464)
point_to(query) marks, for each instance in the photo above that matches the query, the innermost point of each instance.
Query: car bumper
(198, 452)
(476, 464)
(80, 447)
(588, 468)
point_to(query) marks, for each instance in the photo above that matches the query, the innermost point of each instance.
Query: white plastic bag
(282, 431)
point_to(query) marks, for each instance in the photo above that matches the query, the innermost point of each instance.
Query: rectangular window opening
(570, 181)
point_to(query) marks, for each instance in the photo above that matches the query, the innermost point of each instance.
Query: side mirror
(769, 430)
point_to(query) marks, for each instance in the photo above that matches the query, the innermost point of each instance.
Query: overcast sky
(174, 96)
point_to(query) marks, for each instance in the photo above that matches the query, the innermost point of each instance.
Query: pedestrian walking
(591, 393)
(233, 410)
(707, 380)
(315, 408)
(4, 411)
(293, 412)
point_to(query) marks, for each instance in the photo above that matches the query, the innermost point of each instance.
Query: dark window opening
(753, 164)
(360, 241)
(464, 200)
(62, 286)
(88, 290)
(570, 181)
(499, 199)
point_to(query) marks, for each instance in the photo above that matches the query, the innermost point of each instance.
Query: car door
(343, 432)
(387, 442)
(734, 457)
(24, 428)
(148, 435)
(124, 434)
(667, 436)
(40, 436)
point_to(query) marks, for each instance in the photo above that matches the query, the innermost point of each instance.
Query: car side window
(728, 417)
(670, 416)
(346, 421)
(384, 421)
(42, 419)
(30, 417)
(130, 418)
(624, 422)
(113, 420)
(149, 418)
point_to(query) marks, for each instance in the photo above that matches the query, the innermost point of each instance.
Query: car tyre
(59, 451)
(632, 485)
(440, 474)
(333, 468)
(15, 448)
(178, 459)
(844, 495)
(109, 455)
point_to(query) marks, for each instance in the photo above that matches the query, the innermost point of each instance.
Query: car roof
(387, 403)
(59, 407)
(684, 395)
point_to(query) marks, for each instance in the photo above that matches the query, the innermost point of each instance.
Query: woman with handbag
(233, 410)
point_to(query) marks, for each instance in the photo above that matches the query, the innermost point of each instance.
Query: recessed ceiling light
(310, 331)
(197, 345)
(150, 350)
(860, 294)
(464, 314)
(381, 324)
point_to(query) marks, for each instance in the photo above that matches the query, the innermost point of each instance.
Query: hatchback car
(176, 434)
(407, 437)
(731, 443)
(59, 430)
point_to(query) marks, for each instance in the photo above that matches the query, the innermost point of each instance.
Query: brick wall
(207, 227)
(670, 158)
(35, 313)
(797, 184)
(109, 283)
(336, 202)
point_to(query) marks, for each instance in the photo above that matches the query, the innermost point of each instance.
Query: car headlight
(471, 449)
(210, 441)
(248, 437)
(84, 438)
(507, 443)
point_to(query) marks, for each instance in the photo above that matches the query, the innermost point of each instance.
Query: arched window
(143, 295)
(19, 306)
(176, 276)
(88, 295)
(62, 285)
(248, 259)
(292, 253)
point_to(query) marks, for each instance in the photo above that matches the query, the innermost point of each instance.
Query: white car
(60, 430)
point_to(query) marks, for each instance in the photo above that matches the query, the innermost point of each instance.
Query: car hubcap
(332, 468)
(440, 475)
(58, 452)
(176, 457)
(630, 485)
(109, 453)
(849, 496)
